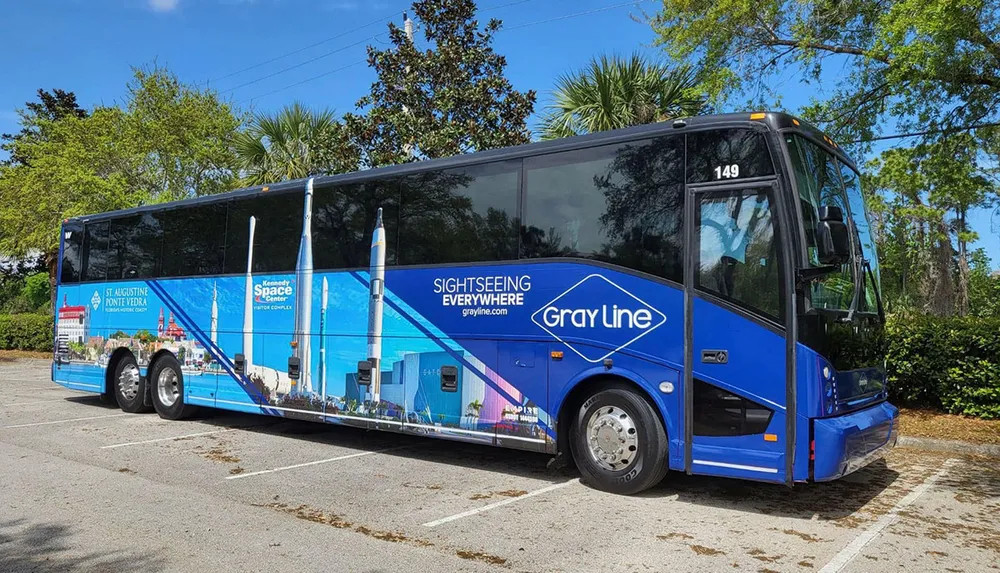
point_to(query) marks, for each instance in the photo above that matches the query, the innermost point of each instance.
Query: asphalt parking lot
(84, 487)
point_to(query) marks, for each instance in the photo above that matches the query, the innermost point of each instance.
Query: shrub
(951, 364)
(26, 332)
(37, 289)
(17, 305)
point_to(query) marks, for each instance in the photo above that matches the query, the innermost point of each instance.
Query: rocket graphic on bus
(375, 303)
(301, 341)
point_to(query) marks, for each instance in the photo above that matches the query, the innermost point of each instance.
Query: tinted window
(817, 178)
(859, 215)
(135, 247)
(95, 249)
(622, 204)
(72, 253)
(737, 252)
(727, 154)
(276, 235)
(193, 240)
(460, 215)
(718, 412)
(344, 219)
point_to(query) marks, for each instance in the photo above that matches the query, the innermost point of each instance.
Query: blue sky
(88, 47)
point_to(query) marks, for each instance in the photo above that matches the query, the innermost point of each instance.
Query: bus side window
(460, 215)
(72, 254)
(622, 204)
(135, 250)
(95, 252)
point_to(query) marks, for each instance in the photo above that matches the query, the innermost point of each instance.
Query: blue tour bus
(701, 295)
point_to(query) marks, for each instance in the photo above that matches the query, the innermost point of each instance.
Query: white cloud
(163, 5)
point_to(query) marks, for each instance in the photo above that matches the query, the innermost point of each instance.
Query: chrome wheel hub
(128, 382)
(612, 438)
(168, 386)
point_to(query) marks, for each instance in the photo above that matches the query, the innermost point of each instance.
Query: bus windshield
(822, 180)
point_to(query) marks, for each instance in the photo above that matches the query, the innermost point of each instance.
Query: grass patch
(931, 424)
(7, 355)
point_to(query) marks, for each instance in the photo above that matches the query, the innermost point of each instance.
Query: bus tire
(167, 389)
(618, 442)
(130, 388)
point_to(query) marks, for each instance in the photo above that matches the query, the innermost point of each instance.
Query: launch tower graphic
(322, 338)
(248, 303)
(376, 286)
(215, 315)
(303, 299)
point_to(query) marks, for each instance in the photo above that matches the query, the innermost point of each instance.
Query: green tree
(921, 63)
(167, 141)
(49, 107)
(446, 99)
(984, 287)
(184, 136)
(292, 144)
(615, 92)
(924, 196)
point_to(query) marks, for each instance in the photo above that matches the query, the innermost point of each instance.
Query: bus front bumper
(848, 443)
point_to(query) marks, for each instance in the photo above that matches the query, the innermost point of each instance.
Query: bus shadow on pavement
(92, 400)
(824, 501)
(51, 547)
(414, 447)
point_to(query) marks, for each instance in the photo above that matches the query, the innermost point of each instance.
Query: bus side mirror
(833, 242)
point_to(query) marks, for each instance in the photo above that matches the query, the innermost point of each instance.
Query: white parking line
(169, 439)
(337, 459)
(547, 489)
(841, 559)
(66, 421)
(32, 403)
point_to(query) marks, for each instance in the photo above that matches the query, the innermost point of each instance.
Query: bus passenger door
(734, 388)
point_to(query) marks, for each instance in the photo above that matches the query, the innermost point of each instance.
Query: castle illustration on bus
(700, 295)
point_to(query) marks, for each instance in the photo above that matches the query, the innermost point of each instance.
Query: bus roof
(767, 120)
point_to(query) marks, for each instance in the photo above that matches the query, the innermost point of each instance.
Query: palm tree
(614, 92)
(294, 143)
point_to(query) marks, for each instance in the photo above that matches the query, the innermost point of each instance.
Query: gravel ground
(88, 488)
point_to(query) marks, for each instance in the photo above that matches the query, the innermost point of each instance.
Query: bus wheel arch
(631, 417)
(124, 381)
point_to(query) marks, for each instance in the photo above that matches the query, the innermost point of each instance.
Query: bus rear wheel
(130, 388)
(618, 442)
(167, 389)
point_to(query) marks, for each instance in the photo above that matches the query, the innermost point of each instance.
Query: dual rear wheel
(161, 390)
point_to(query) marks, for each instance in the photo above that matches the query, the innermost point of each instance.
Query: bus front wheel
(167, 390)
(618, 442)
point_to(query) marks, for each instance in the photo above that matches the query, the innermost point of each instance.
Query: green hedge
(26, 332)
(952, 364)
